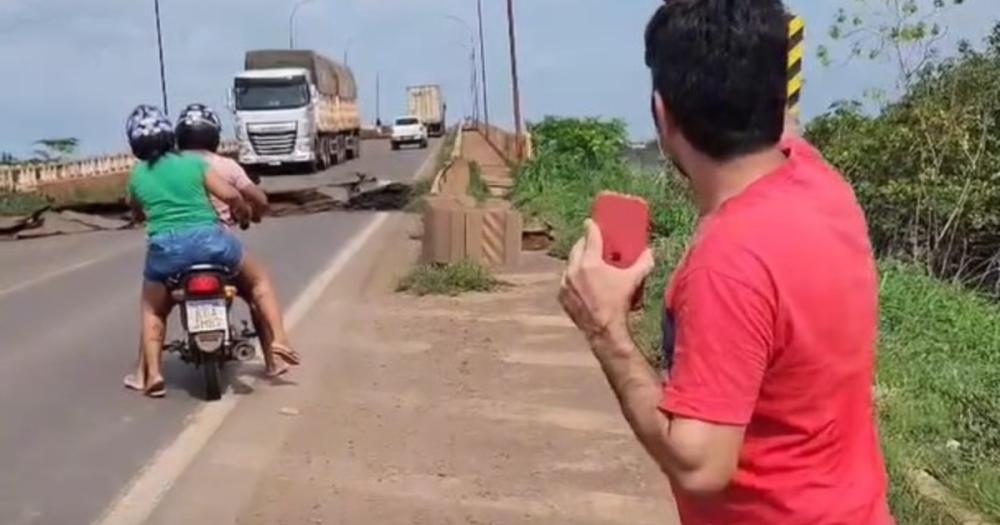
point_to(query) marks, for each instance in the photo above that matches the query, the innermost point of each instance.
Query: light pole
(482, 63)
(347, 48)
(291, 22)
(474, 77)
(513, 75)
(163, 69)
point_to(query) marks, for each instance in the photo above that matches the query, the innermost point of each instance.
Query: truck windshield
(407, 122)
(283, 93)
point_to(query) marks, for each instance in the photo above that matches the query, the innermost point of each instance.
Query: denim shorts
(168, 254)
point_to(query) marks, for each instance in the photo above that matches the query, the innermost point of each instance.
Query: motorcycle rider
(170, 191)
(199, 131)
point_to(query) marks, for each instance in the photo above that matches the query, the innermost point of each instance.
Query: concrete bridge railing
(27, 178)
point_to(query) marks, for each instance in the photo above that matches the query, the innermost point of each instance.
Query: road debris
(362, 192)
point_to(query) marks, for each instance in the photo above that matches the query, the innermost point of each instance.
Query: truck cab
(295, 107)
(275, 116)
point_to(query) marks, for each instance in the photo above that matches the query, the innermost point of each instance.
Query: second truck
(295, 108)
(427, 104)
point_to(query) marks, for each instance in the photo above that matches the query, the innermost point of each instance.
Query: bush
(575, 159)
(927, 168)
(451, 279)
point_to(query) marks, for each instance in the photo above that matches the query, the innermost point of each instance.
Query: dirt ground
(486, 409)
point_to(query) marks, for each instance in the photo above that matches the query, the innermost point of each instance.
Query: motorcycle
(205, 294)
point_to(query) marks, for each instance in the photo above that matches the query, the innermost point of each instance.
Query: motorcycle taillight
(204, 285)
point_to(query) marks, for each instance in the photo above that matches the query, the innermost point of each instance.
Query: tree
(7, 158)
(56, 150)
(905, 33)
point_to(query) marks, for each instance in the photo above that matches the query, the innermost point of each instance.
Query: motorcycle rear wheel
(210, 366)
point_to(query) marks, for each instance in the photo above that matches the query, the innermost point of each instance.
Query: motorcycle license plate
(207, 316)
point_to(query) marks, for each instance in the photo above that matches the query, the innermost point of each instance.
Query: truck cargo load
(331, 78)
(427, 104)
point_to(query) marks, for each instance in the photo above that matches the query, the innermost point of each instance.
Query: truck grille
(280, 143)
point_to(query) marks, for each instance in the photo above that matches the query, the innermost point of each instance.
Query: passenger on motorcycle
(199, 130)
(170, 191)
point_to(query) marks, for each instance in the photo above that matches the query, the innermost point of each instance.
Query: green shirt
(172, 193)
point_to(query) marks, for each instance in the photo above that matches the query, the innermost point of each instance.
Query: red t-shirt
(773, 320)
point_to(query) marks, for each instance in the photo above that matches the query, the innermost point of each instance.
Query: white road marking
(64, 271)
(142, 495)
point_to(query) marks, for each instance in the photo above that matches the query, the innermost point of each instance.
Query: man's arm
(699, 458)
(697, 441)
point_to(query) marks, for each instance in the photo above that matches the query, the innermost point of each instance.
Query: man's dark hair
(721, 68)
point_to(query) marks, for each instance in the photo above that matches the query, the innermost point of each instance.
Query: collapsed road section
(362, 192)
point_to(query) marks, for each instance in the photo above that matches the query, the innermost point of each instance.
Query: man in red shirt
(767, 414)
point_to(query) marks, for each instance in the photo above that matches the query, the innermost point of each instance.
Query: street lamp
(291, 22)
(347, 48)
(159, 45)
(474, 75)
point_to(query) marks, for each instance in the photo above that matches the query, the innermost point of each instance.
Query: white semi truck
(427, 103)
(295, 108)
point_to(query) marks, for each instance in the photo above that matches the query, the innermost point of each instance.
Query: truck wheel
(351, 153)
(423, 145)
(395, 146)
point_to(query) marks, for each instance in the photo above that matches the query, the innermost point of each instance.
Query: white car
(408, 130)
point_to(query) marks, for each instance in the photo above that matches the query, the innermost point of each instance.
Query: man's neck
(719, 182)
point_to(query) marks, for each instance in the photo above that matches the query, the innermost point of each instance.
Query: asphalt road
(70, 436)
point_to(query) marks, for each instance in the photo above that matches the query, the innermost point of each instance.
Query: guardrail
(507, 144)
(27, 178)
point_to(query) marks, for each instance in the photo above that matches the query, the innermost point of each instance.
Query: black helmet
(198, 128)
(150, 134)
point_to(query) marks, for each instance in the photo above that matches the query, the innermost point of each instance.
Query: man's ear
(661, 115)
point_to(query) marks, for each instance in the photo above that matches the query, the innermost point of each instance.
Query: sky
(75, 68)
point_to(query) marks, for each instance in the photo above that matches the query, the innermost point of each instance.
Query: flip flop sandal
(286, 354)
(277, 373)
(157, 390)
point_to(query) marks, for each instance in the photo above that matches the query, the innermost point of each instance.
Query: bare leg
(265, 300)
(155, 308)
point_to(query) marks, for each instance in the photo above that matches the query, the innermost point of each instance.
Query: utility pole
(163, 69)
(378, 99)
(482, 63)
(513, 76)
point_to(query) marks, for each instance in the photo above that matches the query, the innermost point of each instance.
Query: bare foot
(286, 354)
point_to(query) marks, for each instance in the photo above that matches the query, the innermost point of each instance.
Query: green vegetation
(477, 185)
(939, 361)
(926, 168)
(422, 187)
(576, 159)
(451, 279)
(13, 204)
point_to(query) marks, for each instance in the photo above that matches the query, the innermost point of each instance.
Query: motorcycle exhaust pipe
(244, 352)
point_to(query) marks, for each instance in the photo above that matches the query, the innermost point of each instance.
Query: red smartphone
(624, 223)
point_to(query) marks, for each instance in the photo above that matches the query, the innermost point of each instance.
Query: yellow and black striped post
(796, 52)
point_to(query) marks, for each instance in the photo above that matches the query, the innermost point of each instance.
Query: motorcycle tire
(213, 389)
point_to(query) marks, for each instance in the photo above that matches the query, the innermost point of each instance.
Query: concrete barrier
(457, 228)
(507, 145)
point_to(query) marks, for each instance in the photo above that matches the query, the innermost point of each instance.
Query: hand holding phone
(624, 222)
